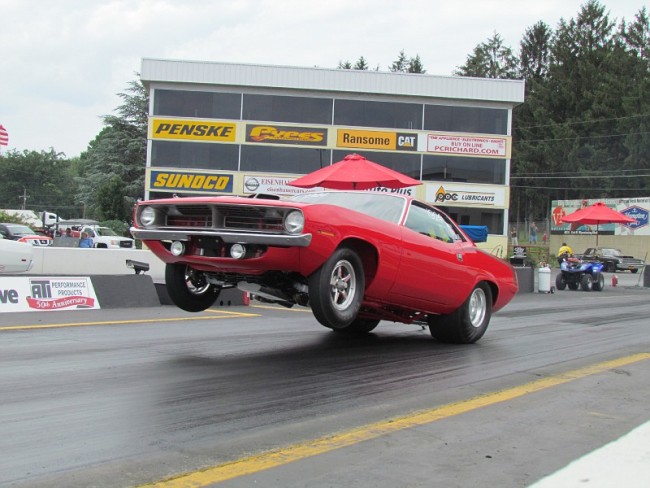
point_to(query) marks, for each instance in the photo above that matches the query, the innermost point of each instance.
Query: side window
(428, 221)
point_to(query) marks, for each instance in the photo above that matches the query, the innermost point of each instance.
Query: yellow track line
(296, 452)
(124, 322)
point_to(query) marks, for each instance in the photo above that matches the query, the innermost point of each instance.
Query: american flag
(4, 136)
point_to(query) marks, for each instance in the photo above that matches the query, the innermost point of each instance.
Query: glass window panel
(283, 159)
(408, 164)
(186, 103)
(493, 219)
(363, 113)
(279, 108)
(195, 155)
(471, 170)
(446, 118)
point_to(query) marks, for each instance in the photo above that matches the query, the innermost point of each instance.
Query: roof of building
(395, 85)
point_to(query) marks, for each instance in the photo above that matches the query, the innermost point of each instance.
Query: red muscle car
(354, 257)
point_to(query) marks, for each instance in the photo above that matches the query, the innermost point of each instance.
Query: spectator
(533, 233)
(564, 252)
(545, 238)
(513, 237)
(85, 240)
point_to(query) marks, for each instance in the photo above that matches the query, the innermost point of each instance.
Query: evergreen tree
(361, 64)
(118, 151)
(400, 65)
(491, 59)
(415, 65)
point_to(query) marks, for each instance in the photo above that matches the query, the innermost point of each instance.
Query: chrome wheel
(477, 307)
(343, 285)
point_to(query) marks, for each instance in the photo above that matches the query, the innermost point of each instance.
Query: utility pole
(24, 198)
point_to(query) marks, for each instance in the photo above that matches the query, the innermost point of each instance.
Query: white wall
(83, 262)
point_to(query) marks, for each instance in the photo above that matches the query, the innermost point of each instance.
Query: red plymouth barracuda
(354, 257)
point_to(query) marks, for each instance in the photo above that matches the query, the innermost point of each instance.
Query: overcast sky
(62, 62)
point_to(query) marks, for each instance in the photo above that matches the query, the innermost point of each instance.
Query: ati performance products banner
(22, 294)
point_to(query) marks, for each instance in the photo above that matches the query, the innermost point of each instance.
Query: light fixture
(238, 251)
(177, 248)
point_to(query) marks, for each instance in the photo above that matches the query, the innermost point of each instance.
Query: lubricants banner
(635, 208)
(457, 194)
(479, 146)
(185, 181)
(372, 139)
(281, 134)
(23, 294)
(187, 129)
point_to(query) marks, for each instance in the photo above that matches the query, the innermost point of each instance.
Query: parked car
(355, 257)
(24, 233)
(15, 257)
(102, 237)
(613, 259)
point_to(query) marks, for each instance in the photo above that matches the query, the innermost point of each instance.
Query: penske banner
(479, 146)
(193, 130)
(183, 181)
(40, 294)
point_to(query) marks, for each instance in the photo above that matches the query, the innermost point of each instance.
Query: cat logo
(407, 142)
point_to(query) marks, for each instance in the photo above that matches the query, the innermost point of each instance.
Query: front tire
(560, 281)
(359, 327)
(188, 288)
(336, 289)
(586, 282)
(599, 282)
(469, 322)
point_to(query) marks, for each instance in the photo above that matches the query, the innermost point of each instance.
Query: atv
(580, 274)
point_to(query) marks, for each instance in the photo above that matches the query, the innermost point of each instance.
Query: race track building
(220, 128)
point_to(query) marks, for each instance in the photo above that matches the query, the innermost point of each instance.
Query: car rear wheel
(336, 289)
(188, 288)
(611, 267)
(586, 282)
(469, 322)
(634, 270)
(560, 282)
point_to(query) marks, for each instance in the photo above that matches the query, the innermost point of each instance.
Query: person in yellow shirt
(564, 252)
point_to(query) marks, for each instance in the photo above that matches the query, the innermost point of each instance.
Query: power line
(575, 177)
(582, 122)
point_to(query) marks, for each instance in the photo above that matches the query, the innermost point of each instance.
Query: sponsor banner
(273, 185)
(37, 294)
(454, 194)
(494, 147)
(370, 139)
(182, 181)
(193, 130)
(636, 208)
(281, 134)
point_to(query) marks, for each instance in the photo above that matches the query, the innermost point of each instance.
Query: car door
(432, 269)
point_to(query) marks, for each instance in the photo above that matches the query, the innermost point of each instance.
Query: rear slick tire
(469, 322)
(188, 288)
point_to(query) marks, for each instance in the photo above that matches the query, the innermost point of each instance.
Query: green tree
(117, 153)
(361, 64)
(40, 180)
(400, 65)
(491, 59)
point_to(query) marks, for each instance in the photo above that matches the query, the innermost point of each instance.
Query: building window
(185, 103)
(408, 164)
(194, 155)
(493, 219)
(470, 170)
(278, 108)
(360, 113)
(447, 118)
(283, 159)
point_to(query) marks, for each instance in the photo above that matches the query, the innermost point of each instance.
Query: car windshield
(21, 230)
(379, 205)
(611, 252)
(105, 231)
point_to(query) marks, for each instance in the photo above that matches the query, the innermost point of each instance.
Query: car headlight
(294, 222)
(147, 216)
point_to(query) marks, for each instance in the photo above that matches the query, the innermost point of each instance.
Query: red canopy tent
(597, 214)
(355, 172)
